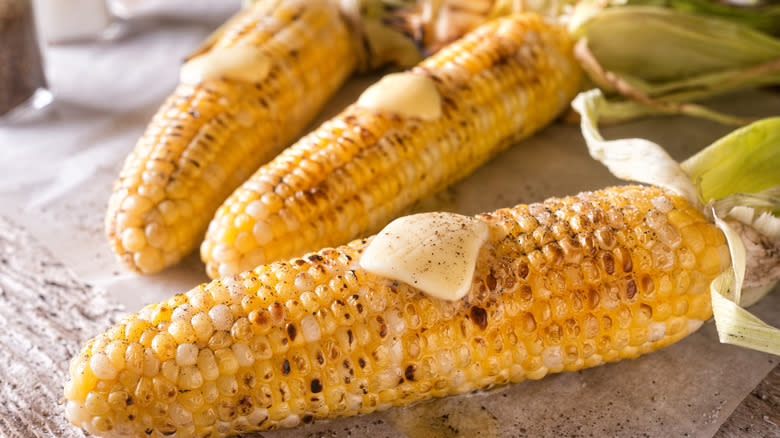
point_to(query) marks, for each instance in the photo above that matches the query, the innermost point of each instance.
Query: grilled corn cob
(558, 286)
(210, 136)
(500, 83)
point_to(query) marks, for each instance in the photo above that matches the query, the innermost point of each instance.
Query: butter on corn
(434, 252)
(499, 84)
(562, 285)
(247, 64)
(404, 94)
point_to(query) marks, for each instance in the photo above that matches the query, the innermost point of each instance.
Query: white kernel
(183, 313)
(395, 322)
(221, 316)
(656, 331)
(190, 378)
(243, 354)
(693, 325)
(291, 421)
(202, 325)
(76, 413)
(304, 282)
(310, 329)
(262, 232)
(228, 269)
(186, 354)
(223, 253)
(257, 209)
(257, 416)
(207, 364)
(552, 357)
(180, 416)
(662, 203)
(133, 239)
(101, 366)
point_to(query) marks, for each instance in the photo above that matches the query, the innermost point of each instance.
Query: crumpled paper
(56, 175)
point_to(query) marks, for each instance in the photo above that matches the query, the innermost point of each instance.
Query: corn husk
(721, 170)
(656, 60)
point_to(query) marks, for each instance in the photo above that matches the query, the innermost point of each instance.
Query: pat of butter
(434, 252)
(248, 64)
(406, 94)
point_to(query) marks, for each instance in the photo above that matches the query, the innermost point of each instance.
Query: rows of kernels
(362, 168)
(550, 294)
(204, 141)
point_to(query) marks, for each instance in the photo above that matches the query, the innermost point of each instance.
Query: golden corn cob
(500, 83)
(559, 286)
(208, 138)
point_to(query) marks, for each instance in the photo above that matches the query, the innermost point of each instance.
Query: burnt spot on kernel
(478, 317)
(316, 386)
(409, 373)
(292, 332)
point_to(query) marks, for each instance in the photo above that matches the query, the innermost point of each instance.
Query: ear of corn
(208, 138)
(500, 83)
(559, 286)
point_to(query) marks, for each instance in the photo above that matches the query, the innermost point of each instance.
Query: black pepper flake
(362, 362)
(286, 367)
(316, 386)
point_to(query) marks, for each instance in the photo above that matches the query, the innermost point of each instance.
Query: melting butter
(248, 64)
(406, 94)
(434, 252)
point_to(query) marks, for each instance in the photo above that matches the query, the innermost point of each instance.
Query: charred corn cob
(557, 286)
(500, 83)
(211, 134)
(248, 92)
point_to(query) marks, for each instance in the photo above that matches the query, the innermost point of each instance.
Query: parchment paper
(56, 175)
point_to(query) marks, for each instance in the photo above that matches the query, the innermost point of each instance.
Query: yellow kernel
(190, 378)
(96, 404)
(164, 346)
(207, 364)
(226, 361)
(202, 326)
(693, 238)
(156, 235)
(148, 259)
(182, 332)
(133, 239)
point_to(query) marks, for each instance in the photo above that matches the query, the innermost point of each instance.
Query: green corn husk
(656, 60)
(762, 16)
(746, 160)
(718, 171)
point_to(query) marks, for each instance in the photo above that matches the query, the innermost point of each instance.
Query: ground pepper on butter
(434, 252)
(21, 66)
